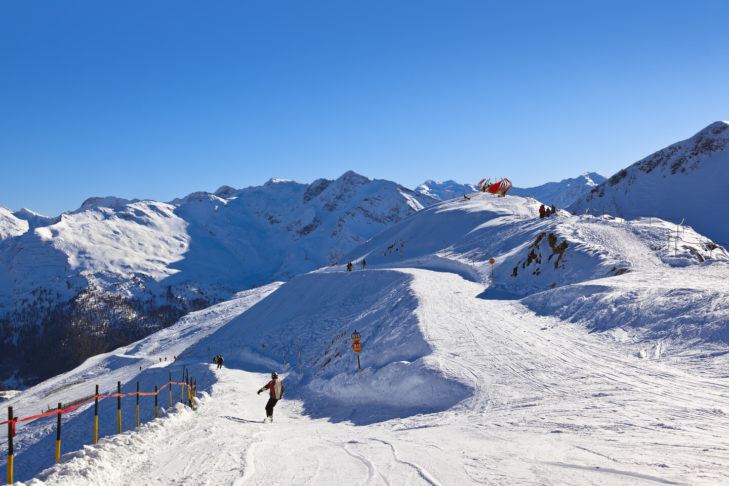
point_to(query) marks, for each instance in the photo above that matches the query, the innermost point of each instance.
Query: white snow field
(599, 361)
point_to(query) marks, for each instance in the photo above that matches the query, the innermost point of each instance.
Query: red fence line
(74, 407)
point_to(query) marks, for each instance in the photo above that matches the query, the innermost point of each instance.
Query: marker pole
(118, 407)
(10, 445)
(96, 416)
(58, 433)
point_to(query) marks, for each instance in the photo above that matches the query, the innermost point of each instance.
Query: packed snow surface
(575, 366)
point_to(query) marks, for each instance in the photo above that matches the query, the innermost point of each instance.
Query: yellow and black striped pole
(10, 445)
(189, 395)
(169, 385)
(182, 387)
(155, 401)
(96, 416)
(58, 433)
(137, 404)
(118, 407)
(192, 392)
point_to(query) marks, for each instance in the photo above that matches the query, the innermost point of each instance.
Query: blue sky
(157, 99)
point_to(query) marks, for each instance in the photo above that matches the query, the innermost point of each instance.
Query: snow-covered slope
(585, 259)
(684, 181)
(147, 262)
(443, 191)
(562, 193)
(10, 225)
(599, 379)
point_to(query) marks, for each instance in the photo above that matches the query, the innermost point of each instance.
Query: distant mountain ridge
(562, 193)
(684, 181)
(443, 191)
(125, 268)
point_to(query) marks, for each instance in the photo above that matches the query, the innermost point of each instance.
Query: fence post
(155, 401)
(186, 387)
(58, 433)
(96, 416)
(118, 407)
(169, 385)
(137, 403)
(10, 445)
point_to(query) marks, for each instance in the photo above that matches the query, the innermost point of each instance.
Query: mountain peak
(225, 191)
(351, 177)
(105, 202)
(715, 128)
(666, 184)
(276, 180)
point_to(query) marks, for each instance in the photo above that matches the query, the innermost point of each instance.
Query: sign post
(357, 347)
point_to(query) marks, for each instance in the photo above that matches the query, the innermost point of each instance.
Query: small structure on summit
(500, 187)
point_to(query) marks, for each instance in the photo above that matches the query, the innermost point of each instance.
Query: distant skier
(554, 209)
(276, 392)
(547, 213)
(220, 361)
(541, 211)
(364, 264)
(349, 266)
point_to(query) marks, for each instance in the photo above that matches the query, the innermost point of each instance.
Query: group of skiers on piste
(218, 360)
(547, 212)
(276, 390)
(364, 265)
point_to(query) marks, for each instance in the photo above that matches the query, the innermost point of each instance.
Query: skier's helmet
(274, 375)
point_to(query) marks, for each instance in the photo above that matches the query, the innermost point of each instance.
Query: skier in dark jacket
(541, 211)
(220, 361)
(276, 392)
(349, 266)
(554, 209)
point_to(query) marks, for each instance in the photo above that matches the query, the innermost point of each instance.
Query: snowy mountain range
(561, 194)
(443, 191)
(123, 268)
(685, 182)
(116, 270)
(592, 351)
